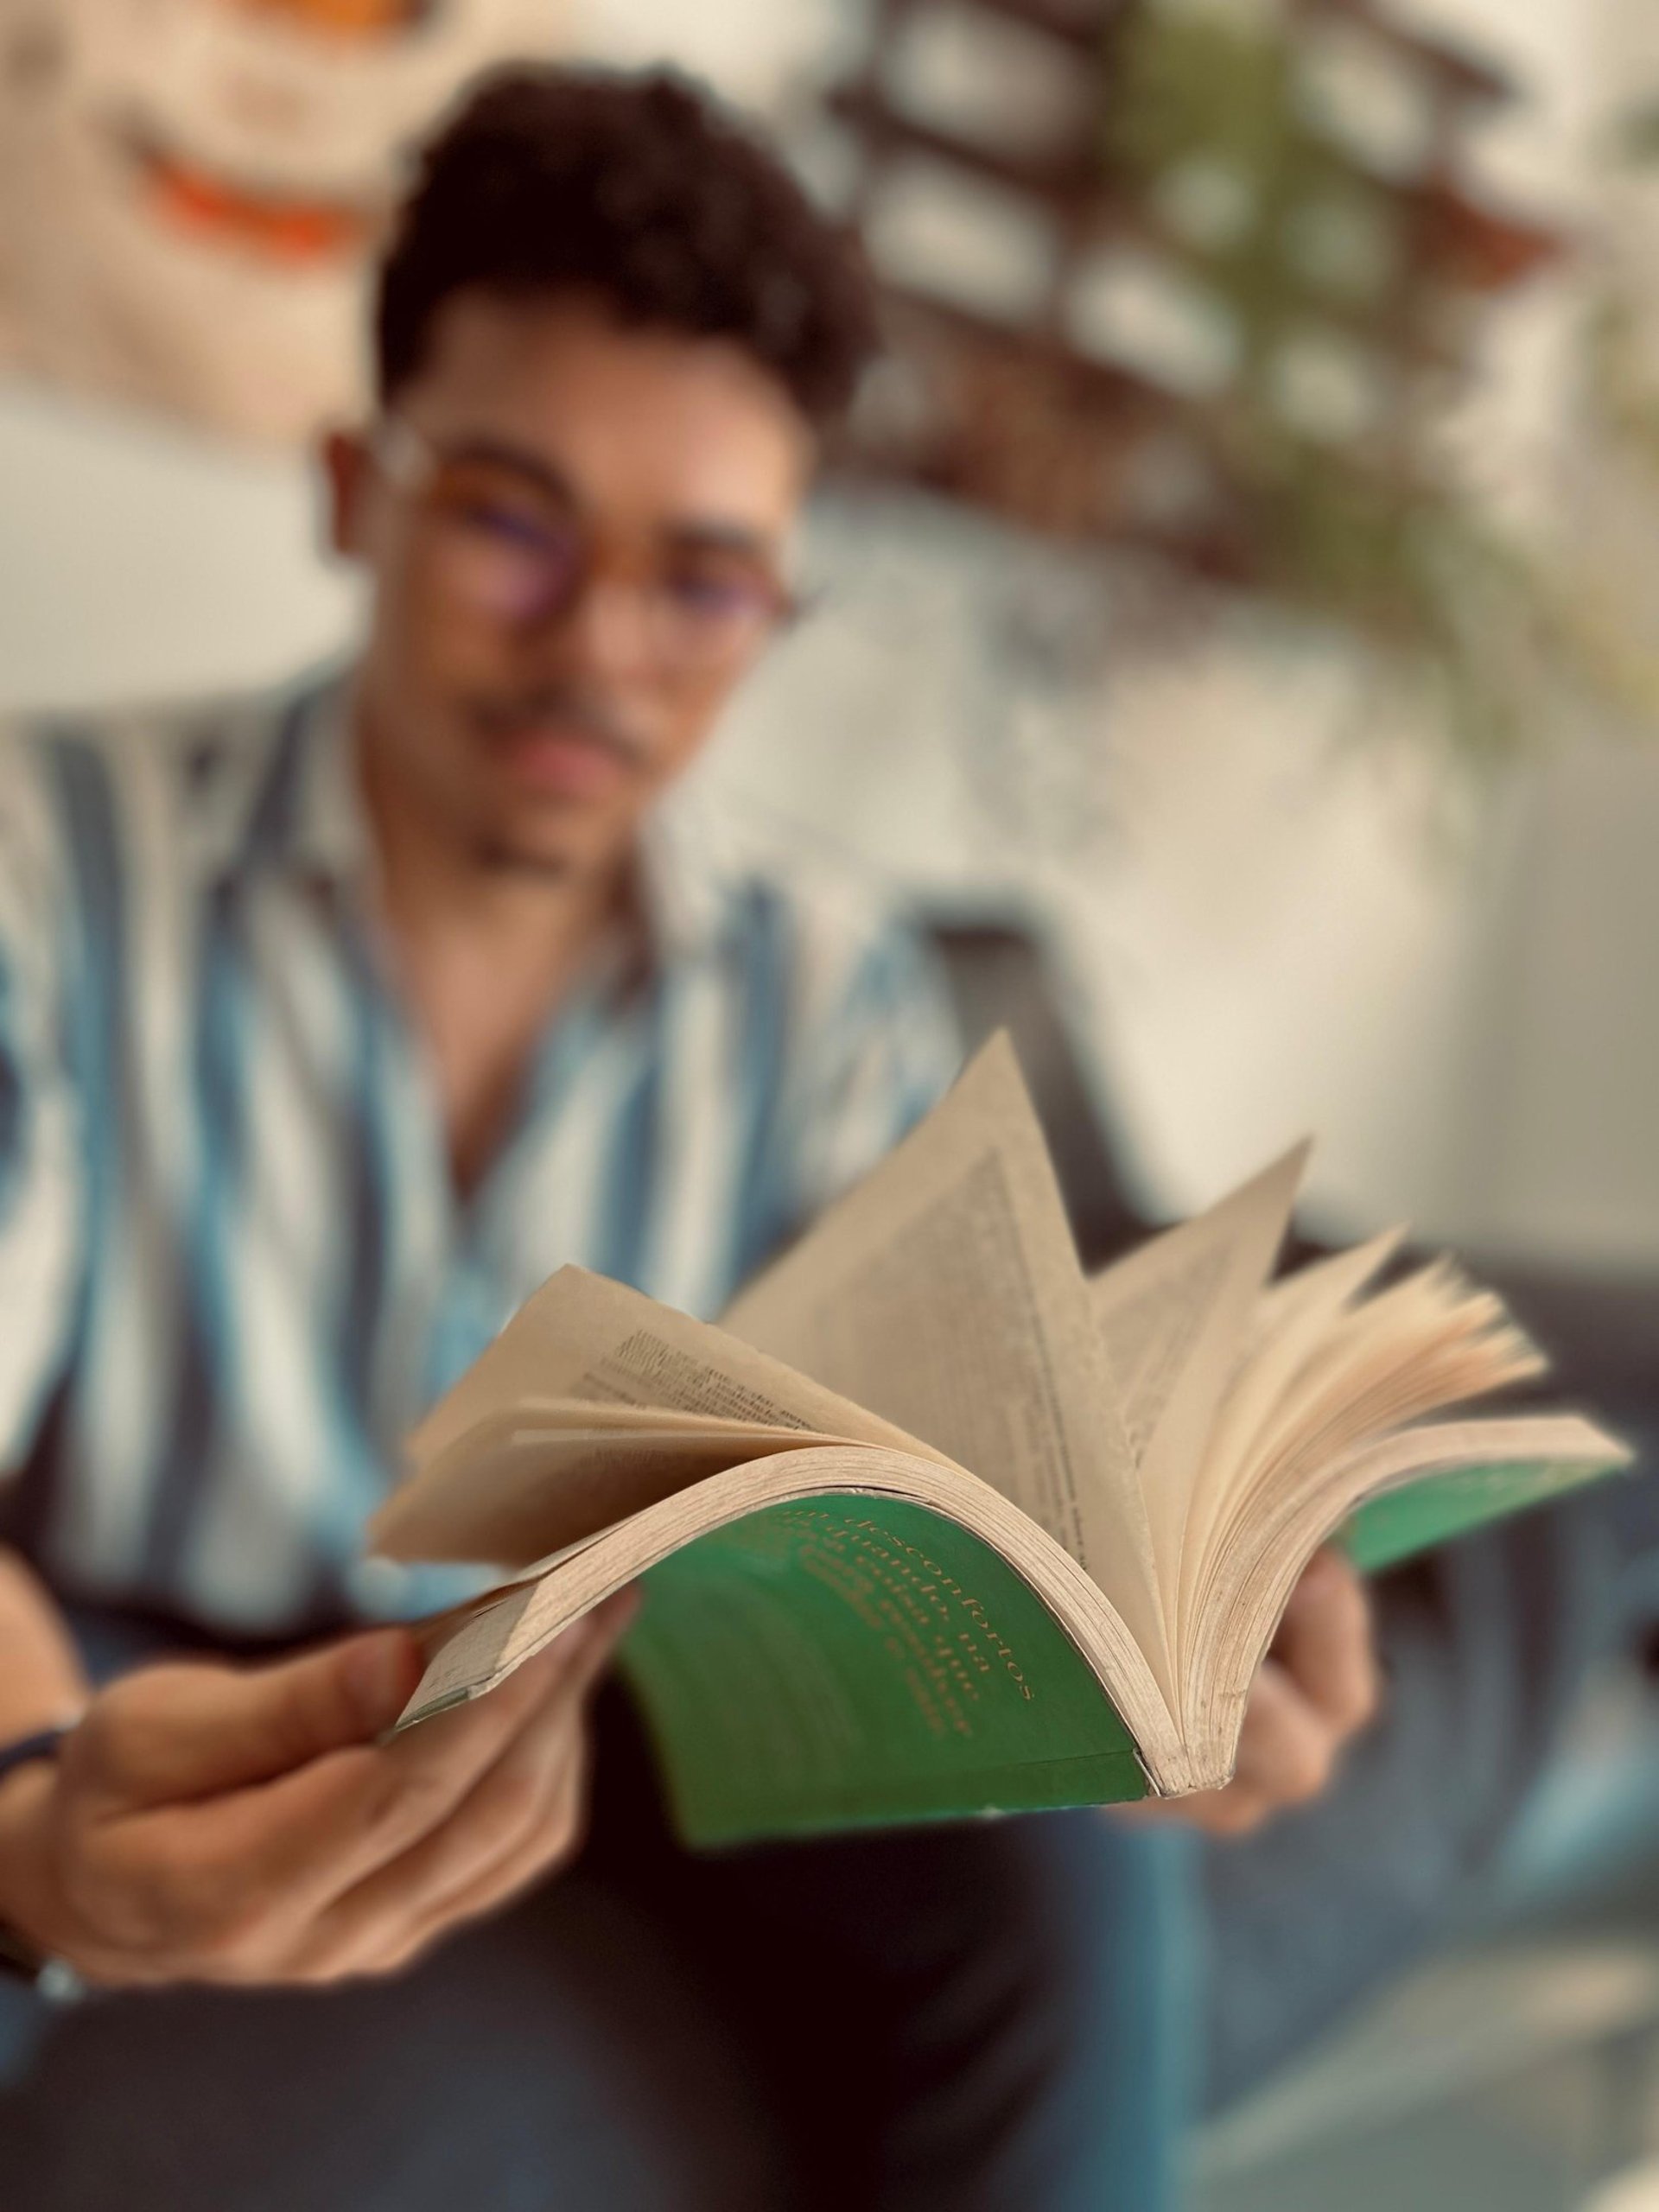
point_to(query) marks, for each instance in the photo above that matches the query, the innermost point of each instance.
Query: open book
(932, 1524)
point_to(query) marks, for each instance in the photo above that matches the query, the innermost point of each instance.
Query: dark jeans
(989, 2014)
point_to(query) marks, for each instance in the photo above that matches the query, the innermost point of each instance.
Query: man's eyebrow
(690, 534)
(698, 536)
(521, 460)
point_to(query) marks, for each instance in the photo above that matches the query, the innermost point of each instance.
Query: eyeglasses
(514, 553)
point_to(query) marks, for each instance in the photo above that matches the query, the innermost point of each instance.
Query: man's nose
(604, 631)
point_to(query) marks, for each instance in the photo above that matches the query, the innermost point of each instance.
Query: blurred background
(1237, 584)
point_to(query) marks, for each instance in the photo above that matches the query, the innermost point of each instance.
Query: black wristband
(42, 1744)
(19, 1960)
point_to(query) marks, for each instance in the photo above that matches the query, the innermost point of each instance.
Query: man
(332, 1023)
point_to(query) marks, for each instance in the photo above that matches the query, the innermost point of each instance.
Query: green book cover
(860, 1661)
(857, 1662)
(1401, 1523)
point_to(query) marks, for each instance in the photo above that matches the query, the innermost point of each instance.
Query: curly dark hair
(638, 187)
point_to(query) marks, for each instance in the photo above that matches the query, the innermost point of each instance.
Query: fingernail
(620, 1612)
(607, 1622)
(1323, 1568)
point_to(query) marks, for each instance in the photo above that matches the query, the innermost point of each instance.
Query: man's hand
(42, 1684)
(1317, 1688)
(210, 1823)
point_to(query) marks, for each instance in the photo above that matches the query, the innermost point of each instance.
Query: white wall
(136, 558)
(1264, 931)
(1557, 1134)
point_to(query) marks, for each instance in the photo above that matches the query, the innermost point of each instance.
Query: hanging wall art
(189, 189)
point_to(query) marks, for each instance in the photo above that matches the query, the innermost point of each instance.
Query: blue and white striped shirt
(233, 1267)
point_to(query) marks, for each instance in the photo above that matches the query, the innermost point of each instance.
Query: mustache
(570, 707)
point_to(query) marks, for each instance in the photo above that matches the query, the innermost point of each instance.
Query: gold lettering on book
(938, 1632)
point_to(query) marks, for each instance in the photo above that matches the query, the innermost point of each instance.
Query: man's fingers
(230, 1885)
(1318, 1687)
(389, 1943)
(519, 1818)
(1287, 1747)
(553, 1841)
(316, 1834)
(1286, 1751)
(170, 1734)
(1231, 1811)
(587, 1645)
(42, 1681)
(1324, 1642)
(227, 1883)
(519, 1823)
(503, 1813)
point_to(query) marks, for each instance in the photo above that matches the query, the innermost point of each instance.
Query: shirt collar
(290, 802)
(685, 876)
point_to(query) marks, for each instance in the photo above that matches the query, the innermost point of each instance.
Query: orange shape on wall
(343, 18)
(272, 224)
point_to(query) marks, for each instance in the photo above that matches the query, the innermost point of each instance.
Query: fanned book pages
(932, 1524)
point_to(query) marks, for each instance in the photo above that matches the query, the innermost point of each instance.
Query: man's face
(577, 533)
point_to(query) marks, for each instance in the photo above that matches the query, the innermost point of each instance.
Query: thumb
(171, 1733)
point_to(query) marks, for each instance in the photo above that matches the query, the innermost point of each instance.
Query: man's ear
(347, 472)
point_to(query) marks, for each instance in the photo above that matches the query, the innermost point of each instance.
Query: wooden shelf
(1474, 245)
(1076, 182)
(1068, 180)
(1470, 81)
(1084, 25)
(1016, 419)
(1081, 24)
(1096, 383)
